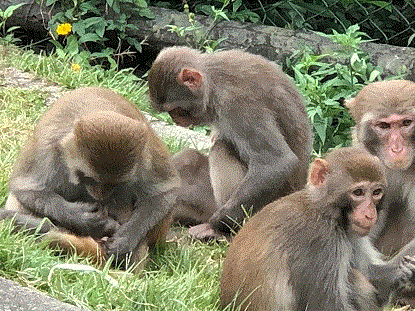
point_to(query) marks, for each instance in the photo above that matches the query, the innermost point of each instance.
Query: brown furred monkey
(258, 114)
(385, 125)
(310, 250)
(96, 169)
(195, 200)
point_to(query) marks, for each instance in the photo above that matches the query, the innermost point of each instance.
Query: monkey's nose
(397, 149)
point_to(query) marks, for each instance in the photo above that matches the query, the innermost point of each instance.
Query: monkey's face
(364, 196)
(185, 109)
(98, 190)
(395, 138)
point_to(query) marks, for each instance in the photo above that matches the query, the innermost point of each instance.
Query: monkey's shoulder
(87, 100)
(294, 217)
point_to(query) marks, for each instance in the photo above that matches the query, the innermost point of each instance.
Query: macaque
(385, 125)
(310, 250)
(260, 123)
(195, 200)
(98, 172)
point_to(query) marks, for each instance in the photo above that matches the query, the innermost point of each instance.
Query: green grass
(180, 276)
(19, 110)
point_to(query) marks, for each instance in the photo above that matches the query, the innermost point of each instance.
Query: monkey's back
(59, 120)
(272, 261)
(256, 87)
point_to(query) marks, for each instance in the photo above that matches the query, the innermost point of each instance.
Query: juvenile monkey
(97, 170)
(310, 250)
(195, 200)
(260, 119)
(385, 125)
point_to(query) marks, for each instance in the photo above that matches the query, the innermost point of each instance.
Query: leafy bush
(326, 85)
(94, 29)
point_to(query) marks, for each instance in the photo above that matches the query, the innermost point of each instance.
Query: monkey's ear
(191, 78)
(318, 172)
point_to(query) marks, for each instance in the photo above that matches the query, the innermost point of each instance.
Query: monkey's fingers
(406, 280)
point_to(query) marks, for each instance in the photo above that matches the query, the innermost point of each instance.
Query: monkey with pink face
(385, 125)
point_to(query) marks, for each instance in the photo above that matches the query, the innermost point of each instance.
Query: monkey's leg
(55, 237)
(155, 236)
(226, 174)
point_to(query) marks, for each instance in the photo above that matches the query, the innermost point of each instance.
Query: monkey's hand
(204, 232)
(118, 247)
(89, 219)
(83, 218)
(227, 220)
(405, 279)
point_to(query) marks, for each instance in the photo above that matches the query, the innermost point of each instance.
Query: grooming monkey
(97, 170)
(263, 139)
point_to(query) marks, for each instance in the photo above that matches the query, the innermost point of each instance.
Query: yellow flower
(64, 29)
(75, 67)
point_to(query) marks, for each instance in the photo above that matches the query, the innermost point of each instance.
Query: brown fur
(121, 204)
(380, 100)
(195, 200)
(383, 98)
(299, 253)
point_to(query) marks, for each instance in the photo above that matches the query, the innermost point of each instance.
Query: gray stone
(15, 297)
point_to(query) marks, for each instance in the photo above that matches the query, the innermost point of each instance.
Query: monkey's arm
(393, 277)
(390, 277)
(270, 163)
(148, 212)
(79, 217)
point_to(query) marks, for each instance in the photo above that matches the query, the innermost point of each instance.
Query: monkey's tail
(73, 244)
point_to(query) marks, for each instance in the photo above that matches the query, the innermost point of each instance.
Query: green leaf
(320, 128)
(72, 45)
(140, 3)
(146, 12)
(90, 37)
(92, 21)
(9, 11)
(374, 75)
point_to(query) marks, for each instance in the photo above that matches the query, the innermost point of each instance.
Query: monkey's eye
(358, 192)
(383, 125)
(406, 122)
(378, 191)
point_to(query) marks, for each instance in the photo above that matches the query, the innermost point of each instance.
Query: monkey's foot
(204, 232)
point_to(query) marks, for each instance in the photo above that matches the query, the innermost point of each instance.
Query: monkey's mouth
(361, 230)
(183, 117)
(180, 112)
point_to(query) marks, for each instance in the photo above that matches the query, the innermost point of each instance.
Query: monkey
(258, 116)
(195, 200)
(384, 112)
(99, 173)
(310, 250)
